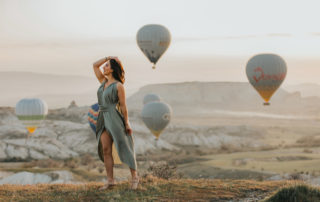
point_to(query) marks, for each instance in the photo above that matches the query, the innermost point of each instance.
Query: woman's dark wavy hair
(118, 72)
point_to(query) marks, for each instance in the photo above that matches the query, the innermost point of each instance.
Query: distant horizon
(83, 89)
(169, 82)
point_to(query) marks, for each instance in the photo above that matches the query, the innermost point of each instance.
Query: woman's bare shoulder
(120, 86)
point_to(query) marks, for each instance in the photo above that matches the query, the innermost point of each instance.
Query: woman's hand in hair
(115, 58)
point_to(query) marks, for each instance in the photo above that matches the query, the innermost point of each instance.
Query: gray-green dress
(111, 119)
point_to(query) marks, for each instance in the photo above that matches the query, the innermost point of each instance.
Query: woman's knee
(107, 151)
(106, 143)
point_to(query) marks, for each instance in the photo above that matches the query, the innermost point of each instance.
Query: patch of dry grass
(150, 189)
(308, 141)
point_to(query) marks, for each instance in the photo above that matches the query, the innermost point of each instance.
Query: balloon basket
(156, 142)
(29, 134)
(266, 104)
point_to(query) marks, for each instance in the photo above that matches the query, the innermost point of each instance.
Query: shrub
(301, 193)
(101, 169)
(86, 159)
(164, 170)
(72, 163)
(295, 176)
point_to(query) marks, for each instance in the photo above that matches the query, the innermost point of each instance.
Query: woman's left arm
(123, 106)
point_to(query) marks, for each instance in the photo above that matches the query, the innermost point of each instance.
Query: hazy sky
(66, 36)
(45, 19)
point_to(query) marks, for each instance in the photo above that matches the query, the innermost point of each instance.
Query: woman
(113, 126)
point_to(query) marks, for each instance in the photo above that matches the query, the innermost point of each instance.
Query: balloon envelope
(156, 116)
(93, 116)
(151, 98)
(31, 112)
(153, 40)
(266, 73)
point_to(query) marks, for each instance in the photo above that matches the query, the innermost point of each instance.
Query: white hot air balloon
(153, 40)
(31, 112)
(151, 97)
(156, 116)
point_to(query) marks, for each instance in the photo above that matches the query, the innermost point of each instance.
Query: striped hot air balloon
(93, 116)
(31, 112)
(266, 72)
(153, 40)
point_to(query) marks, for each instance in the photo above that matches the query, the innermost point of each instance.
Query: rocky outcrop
(70, 137)
(53, 177)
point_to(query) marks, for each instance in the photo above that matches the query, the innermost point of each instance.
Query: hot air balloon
(153, 40)
(93, 115)
(156, 116)
(151, 98)
(31, 112)
(92, 119)
(266, 72)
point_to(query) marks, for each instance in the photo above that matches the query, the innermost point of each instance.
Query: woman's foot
(135, 182)
(110, 184)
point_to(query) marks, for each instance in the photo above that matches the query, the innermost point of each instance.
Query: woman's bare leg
(135, 179)
(107, 141)
(133, 173)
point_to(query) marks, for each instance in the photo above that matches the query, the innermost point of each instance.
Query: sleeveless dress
(112, 121)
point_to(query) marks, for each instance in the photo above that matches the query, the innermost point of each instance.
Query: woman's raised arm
(96, 69)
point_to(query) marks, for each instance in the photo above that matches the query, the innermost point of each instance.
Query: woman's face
(107, 69)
